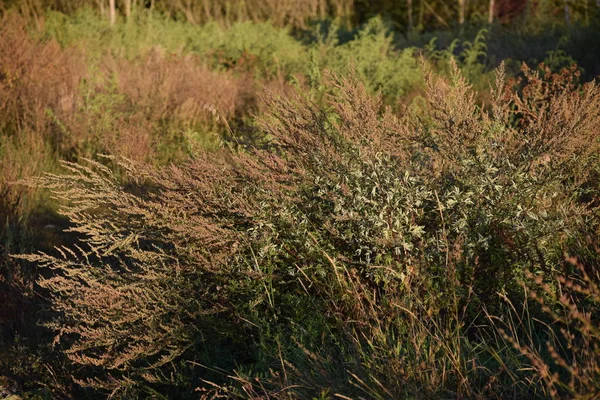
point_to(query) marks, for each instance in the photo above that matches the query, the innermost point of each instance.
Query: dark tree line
(404, 14)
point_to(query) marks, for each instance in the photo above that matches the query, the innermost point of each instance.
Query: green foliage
(94, 35)
(371, 53)
(558, 58)
(470, 56)
(474, 55)
(258, 48)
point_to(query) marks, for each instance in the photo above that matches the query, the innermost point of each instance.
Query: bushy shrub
(63, 103)
(351, 237)
(146, 293)
(432, 216)
(35, 76)
(141, 108)
(92, 34)
(257, 48)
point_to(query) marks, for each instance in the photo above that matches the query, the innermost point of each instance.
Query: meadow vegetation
(290, 200)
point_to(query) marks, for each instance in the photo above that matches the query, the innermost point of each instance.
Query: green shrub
(409, 230)
(258, 48)
(372, 54)
(95, 36)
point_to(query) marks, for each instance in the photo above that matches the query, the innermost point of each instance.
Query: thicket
(356, 253)
(257, 227)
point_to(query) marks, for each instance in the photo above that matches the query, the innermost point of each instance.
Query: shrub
(155, 98)
(431, 216)
(35, 76)
(256, 48)
(145, 289)
(351, 237)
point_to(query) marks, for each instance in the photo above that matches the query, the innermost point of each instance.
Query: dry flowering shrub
(177, 88)
(350, 236)
(35, 76)
(557, 119)
(39, 95)
(131, 138)
(149, 280)
(52, 99)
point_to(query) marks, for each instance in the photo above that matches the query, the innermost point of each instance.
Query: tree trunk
(112, 11)
(567, 12)
(409, 5)
(492, 12)
(461, 11)
(436, 15)
(187, 10)
(127, 9)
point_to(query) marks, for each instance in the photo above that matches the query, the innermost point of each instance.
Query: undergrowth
(258, 227)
